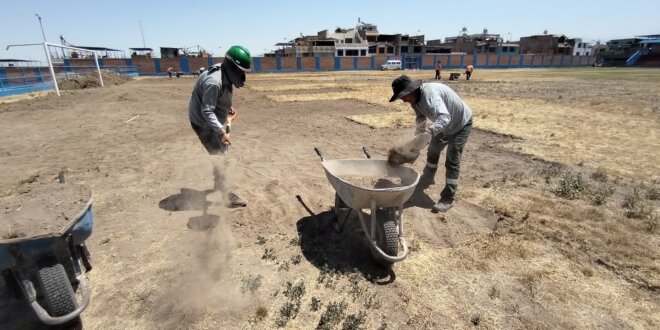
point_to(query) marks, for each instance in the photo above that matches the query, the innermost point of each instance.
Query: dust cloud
(207, 281)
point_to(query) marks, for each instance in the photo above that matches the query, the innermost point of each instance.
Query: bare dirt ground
(533, 242)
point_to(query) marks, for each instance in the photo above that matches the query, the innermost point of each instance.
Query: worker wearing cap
(210, 109)
(451, 123)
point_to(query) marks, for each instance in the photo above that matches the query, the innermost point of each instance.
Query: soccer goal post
(47, 46)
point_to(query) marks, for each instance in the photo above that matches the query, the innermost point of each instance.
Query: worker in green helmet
(211, 110)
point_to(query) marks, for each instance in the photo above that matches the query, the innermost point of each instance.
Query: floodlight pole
(42, 27)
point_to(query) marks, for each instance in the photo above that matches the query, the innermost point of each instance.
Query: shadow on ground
(191, 199)
(420, 198)
(343, 252)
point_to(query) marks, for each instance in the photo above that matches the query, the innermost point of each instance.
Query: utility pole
(42, 27)
(144, 44)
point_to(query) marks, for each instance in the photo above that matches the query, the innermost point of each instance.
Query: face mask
(235, 75)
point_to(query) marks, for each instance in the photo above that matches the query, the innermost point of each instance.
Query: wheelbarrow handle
(366, 152)
(318, 152)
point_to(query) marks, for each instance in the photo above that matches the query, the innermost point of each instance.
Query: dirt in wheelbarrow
(371, 182)
(42, 209)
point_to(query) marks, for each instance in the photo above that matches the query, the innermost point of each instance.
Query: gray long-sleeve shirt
(211, 100)
(443, 107)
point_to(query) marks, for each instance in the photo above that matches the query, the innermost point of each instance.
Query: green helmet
(240, 56)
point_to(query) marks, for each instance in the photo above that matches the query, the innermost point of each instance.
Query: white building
(582, 48)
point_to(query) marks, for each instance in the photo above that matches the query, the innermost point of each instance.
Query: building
(545, 44)
(581, 48)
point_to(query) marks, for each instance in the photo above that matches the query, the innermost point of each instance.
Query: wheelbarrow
(383, 225)
(47, 269)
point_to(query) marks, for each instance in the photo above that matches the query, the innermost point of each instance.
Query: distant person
(211, 109)
(468, 71)
(451, 123)
(170, 70)
(438, 67)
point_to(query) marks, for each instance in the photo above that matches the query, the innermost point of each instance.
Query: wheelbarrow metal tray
(80, 228)
(360, 197)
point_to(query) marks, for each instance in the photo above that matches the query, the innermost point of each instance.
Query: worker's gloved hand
(224, 138)
(231, 115)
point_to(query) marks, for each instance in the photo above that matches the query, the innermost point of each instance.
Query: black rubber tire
(56, 288)
(387, 236)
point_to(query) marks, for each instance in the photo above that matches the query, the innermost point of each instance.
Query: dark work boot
(443, 205)
(235, 201)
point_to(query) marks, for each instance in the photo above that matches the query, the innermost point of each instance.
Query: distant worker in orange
(468, 71)
(438, 67)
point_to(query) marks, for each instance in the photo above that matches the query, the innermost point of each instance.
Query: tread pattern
(57, 291)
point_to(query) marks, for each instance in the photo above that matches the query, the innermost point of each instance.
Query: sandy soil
(42, 209)
(169, 255)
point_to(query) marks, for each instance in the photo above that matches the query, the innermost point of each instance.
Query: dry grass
(537, 266)
(579, 132)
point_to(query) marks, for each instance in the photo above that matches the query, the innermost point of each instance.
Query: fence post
(317, 63)
(355, 63)
(3, 76)
(257, 64)
(278, 64)
(298, 63)
(337, 63)
(373, 63)
(157, 65)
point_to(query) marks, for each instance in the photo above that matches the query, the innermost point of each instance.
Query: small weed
(295, 291)
(600, 193)
(296, 259)
(651, 223)
(295, 241)
(587, 272)
(261, 313)
(333, 314)
(415, 246)
(328, 277)
(372, 301)
(269, 254)
(250, 283)
(355, 289)
(261, 240)
(635, 206)
(354, 321)
(283, 266)
(288, 311)
(315, 304)
(475, 318)
(494, 292)
(653, 193)
(600, 175)
(571, 186)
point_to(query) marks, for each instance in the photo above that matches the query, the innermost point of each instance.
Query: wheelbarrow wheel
(387, 236)
(56, 288)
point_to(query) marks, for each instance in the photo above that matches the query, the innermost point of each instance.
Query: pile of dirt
(373, 182)
(42, 210)
(91, 80)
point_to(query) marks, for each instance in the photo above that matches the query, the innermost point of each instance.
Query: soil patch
(42, 210)
(91, 80)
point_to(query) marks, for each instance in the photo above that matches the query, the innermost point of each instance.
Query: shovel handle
(318, 152)
(366, 152)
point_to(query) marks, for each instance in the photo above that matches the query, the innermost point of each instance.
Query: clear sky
(259, 25)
